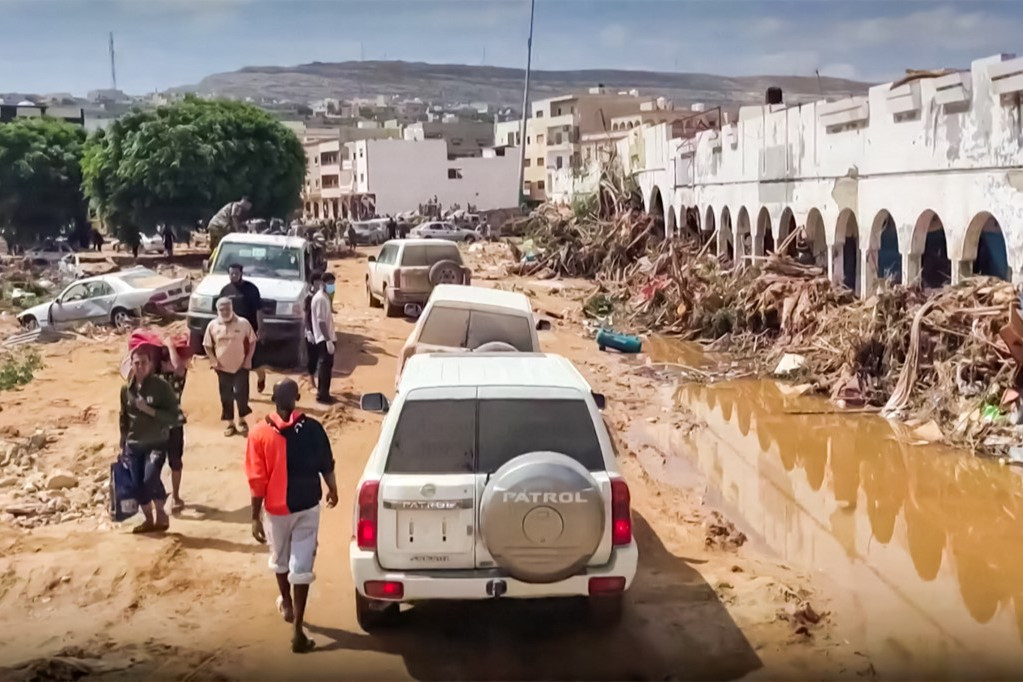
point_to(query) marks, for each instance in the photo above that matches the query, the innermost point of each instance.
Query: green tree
(181, 163)
(40, 178)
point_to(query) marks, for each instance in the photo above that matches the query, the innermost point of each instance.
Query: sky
(51, 46)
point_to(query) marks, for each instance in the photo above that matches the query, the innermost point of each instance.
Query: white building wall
(404, 174)
(907, 152)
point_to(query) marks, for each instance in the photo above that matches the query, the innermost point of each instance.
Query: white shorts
(292, 539)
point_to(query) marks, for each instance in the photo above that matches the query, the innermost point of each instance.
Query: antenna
(113, 63)
(484, 62)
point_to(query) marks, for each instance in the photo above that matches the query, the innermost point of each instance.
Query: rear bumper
(472, 584)
(404, 297)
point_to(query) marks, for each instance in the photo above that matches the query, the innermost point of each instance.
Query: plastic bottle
(626, 343)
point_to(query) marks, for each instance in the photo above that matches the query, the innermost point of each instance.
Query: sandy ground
(197, 602)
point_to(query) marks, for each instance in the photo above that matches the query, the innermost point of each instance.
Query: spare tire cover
(495, 347)
(542, 517)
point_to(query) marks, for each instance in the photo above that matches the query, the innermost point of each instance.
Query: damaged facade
(922, 178)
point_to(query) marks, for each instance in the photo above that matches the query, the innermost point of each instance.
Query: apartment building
(402, 174)
(464, 138)
(556, 130)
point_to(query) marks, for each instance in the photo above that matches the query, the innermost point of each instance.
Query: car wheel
(606, 611)
(390, 309)
(446, 272)
(30, 324)
(469, 239)
(122, 319)
(372, 616)
(373, 302)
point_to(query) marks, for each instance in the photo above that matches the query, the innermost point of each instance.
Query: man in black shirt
(248, 304)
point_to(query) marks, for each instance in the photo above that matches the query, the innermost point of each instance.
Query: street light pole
(525, 102)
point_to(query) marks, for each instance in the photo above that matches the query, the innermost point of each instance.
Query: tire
(606, 611)
(30, 324)
(469, 239)
(391, 310)
(447, 272)
(122, 319)
(371, 619)
(373, 302)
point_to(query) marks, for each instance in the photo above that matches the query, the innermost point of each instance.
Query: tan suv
(407, 270)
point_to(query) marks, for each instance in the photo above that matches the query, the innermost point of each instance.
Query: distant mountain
(501, 86)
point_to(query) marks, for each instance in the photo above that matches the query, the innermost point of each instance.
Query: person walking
(285, 458)
(168, 241)
(312, 350)
(248, 303)
(230, 344)
(324, 336)
(392, 228)
(149, 409)
(173, 369)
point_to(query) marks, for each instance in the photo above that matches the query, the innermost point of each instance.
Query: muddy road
(198, 601)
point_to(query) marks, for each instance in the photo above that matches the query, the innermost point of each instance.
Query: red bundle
(148, 337)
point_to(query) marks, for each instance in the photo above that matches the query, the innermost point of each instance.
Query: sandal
(243, 429)
(145, 527)
(230, 430)
(177, 506)
(302, 645)
(287, 614)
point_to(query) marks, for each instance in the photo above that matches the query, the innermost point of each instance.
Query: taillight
(621, 513)
(366, 526)
(397, 279)
(607, 585)
(384, 589)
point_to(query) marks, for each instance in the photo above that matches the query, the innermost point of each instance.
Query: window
(362, 177)
(526, 187)
(454, 173)
(511, 139)
(576, 161)
(539, 113)
(559, 111)
(539, 163)
(518, 138)
(540, 185)
(485, 327)
(509, 428)
(558, 139)
(75, 293)
(527, 163)
(433, 436)
(426, 255)
(529, 140)
(445, 327)
(539, 139)
(263, 260)
(558, 163)
(97, 289)
(387, 254)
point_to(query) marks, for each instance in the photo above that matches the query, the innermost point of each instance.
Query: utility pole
(113, 63)
(525, 102)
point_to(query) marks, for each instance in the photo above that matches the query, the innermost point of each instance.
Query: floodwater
(921, 546)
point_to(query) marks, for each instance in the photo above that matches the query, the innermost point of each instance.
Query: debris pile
(31, 496)
(929, 354)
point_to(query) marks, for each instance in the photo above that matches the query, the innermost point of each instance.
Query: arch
(984, 245)
(671, 225)
(884, 245)
(614, 127)
(786, 226)
(817, 236)
(725, 242)
(743, 236)
(763, 238)
(655, 208)
(847, 250)
(692, 221)
(929, 251)
(710, 221)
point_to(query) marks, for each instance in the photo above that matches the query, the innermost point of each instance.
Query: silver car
(115, 299)
(443, 230)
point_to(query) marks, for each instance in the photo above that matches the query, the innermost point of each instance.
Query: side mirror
(599, 399)
(543, 325)
(206, 266)
(374, 402)
(372, 259)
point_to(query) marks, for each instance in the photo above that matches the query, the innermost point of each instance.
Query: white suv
(494, 477)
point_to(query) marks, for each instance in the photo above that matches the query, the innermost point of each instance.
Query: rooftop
(455, 293)
(442, 370)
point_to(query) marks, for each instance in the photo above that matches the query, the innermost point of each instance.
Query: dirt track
(197, 603)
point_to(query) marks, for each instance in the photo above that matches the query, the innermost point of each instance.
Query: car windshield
(464, 328)
(260, 260)
(440, 436)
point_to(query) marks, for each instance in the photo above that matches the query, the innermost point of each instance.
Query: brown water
(922, 545)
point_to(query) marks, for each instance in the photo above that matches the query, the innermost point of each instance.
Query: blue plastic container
(626, 343)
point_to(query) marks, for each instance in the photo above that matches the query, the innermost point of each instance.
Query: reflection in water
(925, 543)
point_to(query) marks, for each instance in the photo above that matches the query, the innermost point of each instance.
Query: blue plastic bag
(123, 504)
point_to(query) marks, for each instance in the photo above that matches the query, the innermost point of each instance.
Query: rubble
(722, 533)
(935, 355)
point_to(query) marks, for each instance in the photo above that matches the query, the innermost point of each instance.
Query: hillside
(498, 85)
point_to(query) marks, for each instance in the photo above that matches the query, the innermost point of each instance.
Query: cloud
(946, 27)
(847, 71)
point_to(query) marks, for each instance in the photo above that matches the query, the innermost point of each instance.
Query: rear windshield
(426, 255)
(442, 436)
(462, 328)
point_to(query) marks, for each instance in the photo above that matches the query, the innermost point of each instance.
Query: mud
(919, 545)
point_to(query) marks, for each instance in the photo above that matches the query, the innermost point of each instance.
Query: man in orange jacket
(285, 458)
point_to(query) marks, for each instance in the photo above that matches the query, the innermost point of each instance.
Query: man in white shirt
(322, 322)
(230, 344)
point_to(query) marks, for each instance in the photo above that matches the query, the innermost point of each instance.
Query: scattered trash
(789, 363)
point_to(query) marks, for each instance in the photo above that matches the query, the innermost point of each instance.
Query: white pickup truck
(280, 267)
